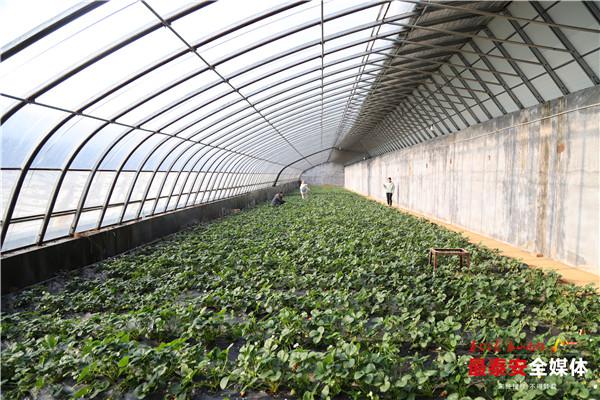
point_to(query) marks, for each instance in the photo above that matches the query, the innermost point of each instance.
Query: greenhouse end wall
(325, 174)
(530, 178)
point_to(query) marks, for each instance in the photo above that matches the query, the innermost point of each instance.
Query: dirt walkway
(569, 274)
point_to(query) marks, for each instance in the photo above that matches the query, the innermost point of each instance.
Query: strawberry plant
(326, 298)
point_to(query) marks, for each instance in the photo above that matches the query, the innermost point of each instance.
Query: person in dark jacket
(278, 199)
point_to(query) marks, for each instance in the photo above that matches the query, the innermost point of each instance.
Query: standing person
(278, 199)
(304, 189)
(389, 190)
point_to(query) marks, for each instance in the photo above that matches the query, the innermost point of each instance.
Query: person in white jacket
(304, 189)
(389, 190)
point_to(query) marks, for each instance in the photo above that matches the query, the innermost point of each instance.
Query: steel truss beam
(508, 17)
(556, 29)
(472, 36)
(540, 57)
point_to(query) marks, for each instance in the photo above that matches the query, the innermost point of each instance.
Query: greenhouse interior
(285, 199)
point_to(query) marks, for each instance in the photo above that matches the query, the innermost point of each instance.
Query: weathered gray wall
(530, 178)
(27, 267)
(325, 174)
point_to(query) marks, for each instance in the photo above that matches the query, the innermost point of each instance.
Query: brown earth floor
(569, 274)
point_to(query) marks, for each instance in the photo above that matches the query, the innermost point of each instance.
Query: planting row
(328, 297)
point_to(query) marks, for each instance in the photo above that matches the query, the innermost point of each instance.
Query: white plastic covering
(133, 108)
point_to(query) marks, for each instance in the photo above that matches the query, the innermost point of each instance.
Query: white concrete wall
(530, 178)
(325, 174)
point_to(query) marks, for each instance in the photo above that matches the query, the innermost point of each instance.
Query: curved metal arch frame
(255, 162)
(277, 57)
(76, 220)
(219, 159)
(81, 146)
(196, 153)
(416, 116)
(137, 174)
(208, 188)
(46, 220)
(279, 118)
(304, 115)
(223, 157)
(306, 131)
(281, 110)
(183, 186)
(166, 175)
(184, 183)
(133, 183)
(105, 53)
(160, 196)
(141, 166)
(193, 167)
(225, 117)
(193, 184)
(180, 14)
(145, 31)
(295, 124)
(196, 73)
(309, 123)
(159, 145)
(243, 175)
(213, 68)
(213, 154)
(107, 151)
(47, 28)
(250, 167)
(272, 85)
(26, 167)
(298, 160)
(299, 85)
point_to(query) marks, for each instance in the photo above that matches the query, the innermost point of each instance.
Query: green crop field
(331, 297)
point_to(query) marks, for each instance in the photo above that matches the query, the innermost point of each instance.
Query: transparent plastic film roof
(115, 111)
